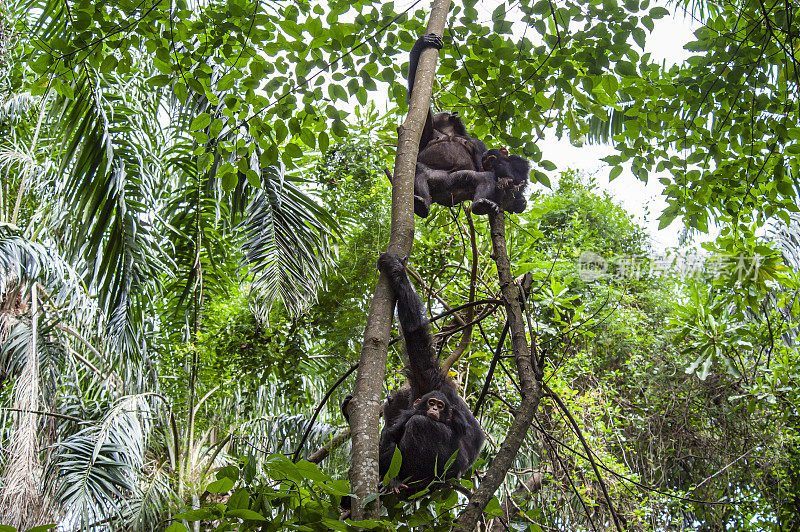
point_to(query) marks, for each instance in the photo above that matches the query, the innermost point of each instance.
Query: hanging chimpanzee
(426, 420)
(453, 167)
(445, 145)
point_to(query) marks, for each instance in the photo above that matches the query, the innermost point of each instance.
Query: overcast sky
(644, 201)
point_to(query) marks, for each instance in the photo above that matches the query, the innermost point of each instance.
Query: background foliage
(192, 199)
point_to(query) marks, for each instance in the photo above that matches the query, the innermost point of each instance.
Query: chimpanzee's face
(434, 406)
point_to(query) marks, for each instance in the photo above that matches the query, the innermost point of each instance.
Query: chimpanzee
(445, 144)
(511, 173)
(426, 420)
(451, 188)
(500, 186)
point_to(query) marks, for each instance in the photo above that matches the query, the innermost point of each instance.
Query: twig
(313, 419)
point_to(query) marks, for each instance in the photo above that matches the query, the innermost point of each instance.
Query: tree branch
(372, 365)
(530, 382)
(320, 454)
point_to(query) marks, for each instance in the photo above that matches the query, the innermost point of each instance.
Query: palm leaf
(106, 201)
(285, 243)
(95, 472)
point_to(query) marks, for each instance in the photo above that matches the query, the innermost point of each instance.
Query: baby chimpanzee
(511, 175)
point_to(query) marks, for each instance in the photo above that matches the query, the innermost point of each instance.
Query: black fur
(511, 174)
(445, 146)
(426, 444)
(500, 186)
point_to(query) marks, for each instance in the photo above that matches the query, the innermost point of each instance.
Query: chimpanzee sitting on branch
(453, 167)
(427, 420)
(500, 186)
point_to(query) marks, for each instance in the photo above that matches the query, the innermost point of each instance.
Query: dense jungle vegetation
(193, 197)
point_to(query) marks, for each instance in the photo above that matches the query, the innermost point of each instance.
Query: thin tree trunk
(21, 503)
(365, 406)
(529, 380)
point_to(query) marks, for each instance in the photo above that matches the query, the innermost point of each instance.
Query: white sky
(644, 201)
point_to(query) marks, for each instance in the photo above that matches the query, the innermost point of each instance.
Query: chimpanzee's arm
(430, 40)
(425, 375)
(390, 437)
(469, 432)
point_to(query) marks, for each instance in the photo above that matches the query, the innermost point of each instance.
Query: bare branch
(529, 380)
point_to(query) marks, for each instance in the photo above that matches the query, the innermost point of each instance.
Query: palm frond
(16, 105)
(788, 238)
(95, 472)
(20, 260)
(105, 203)
(153, 493)
(285, 244)
(603, 131)
(279, 434)
(23, 261)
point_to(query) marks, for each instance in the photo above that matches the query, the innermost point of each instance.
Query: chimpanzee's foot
(484, 206)
(422, 208)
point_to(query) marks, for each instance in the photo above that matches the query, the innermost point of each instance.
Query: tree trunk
(21, 501)
(365, 406)
(529, 380)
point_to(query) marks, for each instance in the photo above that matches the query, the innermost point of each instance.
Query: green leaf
(639, 36)
(240, 499)
(542, 7)
(324, 141)
(229, 471)
(201, 121)
(253, 178)
(658, 12)
(229, 182)
(542, 178)
(334, 524)
(243, 513)
(499, 13)
(625, 68)
(177, 526)
(394, 467)
(493, 508)
(196, 515)
(615, 173)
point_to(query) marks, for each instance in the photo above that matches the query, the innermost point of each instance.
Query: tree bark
(524, 492)
(530, 382)
(365, 407)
